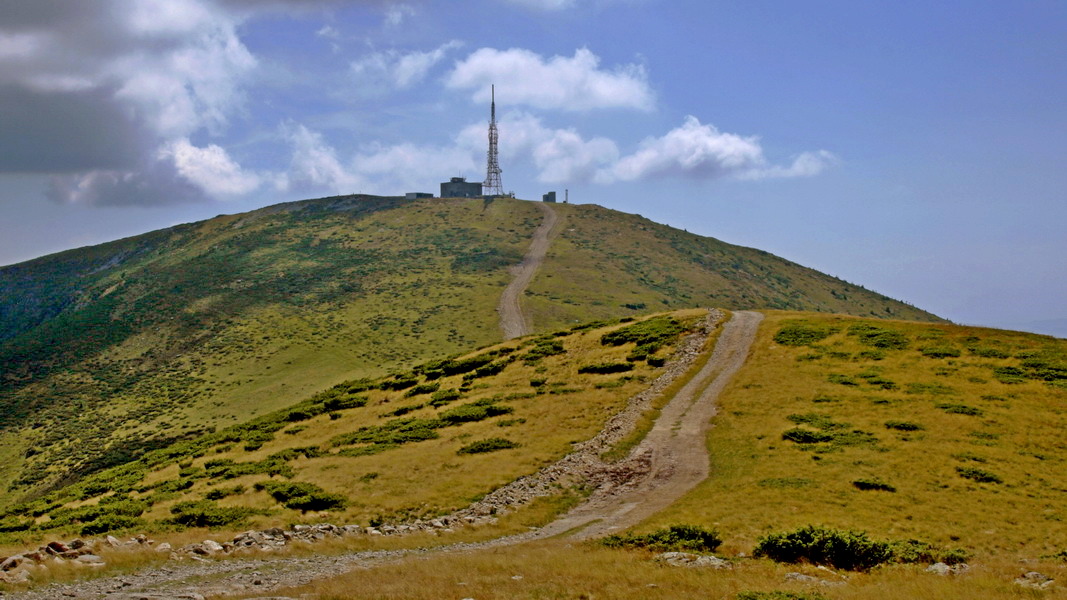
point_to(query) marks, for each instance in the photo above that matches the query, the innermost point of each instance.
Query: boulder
(212, 547)
(12, 562)
(1035, 580)
(57, 548)
(164, 547)
(91, 560)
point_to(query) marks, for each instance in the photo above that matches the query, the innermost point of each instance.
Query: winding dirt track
(513, 322)
(673, 457)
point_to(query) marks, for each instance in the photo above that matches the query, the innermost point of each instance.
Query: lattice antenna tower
(492, 185)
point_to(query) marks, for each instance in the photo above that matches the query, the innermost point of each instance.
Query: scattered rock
(212, 547)
(164, 547)
(794, 576)
(687, 559)
(1035, 580)
(12, 562)
(90, 559)
(940, 568)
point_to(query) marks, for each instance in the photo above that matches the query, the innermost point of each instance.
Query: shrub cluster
(802, 333)
(682, 538)
(650, 335)
(301, 496)
(879, 337)
(487, 445)
(205, 513)
(850, 550)
(604, 368)
(869, 484)
(979, 475)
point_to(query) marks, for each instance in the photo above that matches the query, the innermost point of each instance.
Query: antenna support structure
(492, 185)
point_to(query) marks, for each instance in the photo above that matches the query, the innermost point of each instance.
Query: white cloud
(211, 168)
(806, 164)
(694, 150)
(314, 164)
(396, 14)
(560, 155)
(576, 83)
(400, 70)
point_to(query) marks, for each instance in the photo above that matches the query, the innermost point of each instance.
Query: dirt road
(673, 457)
(513, 322)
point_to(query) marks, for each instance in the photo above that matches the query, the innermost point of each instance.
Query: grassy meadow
(948, 434)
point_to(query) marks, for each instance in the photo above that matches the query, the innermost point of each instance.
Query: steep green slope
(109, 351)
(604, 261)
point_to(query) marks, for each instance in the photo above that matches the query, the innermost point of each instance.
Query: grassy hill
(110, 351)
(416, 444)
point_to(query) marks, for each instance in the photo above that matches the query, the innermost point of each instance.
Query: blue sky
(915, 148)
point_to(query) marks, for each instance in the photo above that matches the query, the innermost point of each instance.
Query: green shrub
(960, 409)
(903, 426)
(222, 492)
(979, 475)
(302, 496)
(681, 538)
(879, 337)
(841, 379)
(205, 513)
(652, 334)
(538, 382)
(543, 348)
(422, 388)
(605, 368)
(475, 411)
(915, 551)
(849, 550)
(487, 445)
(656, 361)
(988, 352)
(400, 382)
(344, 402)
(442, 397)
(802, 333)
(806, 436)
(467, 365)
(107, 523)
(871, 484)
(1009, 374)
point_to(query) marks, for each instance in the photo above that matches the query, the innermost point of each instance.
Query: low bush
(475, 411)
(879, 337)
(604, 368)
(979, 475)
(903, 426)
(108, 523)
(871, 484)
(802, 333)
(205, 513)
(988, 352)
(302, 496)
(487, 445)
(543, 348)
(807, 436)
(960, 409)
(223, 492)
(422, 388)
(680, 538)
(651, 334)
(443, 397)
(345, 402)
(849, 550)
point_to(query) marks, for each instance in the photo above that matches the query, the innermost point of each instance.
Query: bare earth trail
(513, 322)
(670, 461)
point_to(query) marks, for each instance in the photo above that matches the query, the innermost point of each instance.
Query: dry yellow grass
(587, 571)
(761, 482)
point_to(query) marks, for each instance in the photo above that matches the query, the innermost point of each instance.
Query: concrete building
(459, 187)
(549, 197)
(417, 195)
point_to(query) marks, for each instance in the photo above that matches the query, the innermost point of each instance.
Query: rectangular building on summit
(459, 187)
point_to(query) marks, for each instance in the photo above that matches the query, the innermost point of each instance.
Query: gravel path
(669, 462)
(512, 320)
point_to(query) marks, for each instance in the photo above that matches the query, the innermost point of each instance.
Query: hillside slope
(109, 351)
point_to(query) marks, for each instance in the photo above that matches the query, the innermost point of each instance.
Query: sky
(914, 148)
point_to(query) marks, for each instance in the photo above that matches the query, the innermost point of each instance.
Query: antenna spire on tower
(492, 185)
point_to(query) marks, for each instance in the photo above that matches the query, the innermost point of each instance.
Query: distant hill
(109, 351)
